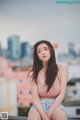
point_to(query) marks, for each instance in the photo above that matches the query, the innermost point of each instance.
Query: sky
(34, 20)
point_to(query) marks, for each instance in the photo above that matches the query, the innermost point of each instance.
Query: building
(26, 50)
(14, 50)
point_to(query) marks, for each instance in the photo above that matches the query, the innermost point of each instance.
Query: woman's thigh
(59, 114)
(33, 115)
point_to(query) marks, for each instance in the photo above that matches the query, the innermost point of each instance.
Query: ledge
(25, 118)
(72, 103)
(16, 118)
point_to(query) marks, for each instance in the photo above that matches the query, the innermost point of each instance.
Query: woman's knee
(33, 115)
(59, 114)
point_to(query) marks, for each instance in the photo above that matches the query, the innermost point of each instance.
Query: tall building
(26, 50)
(14, 50)
(24, 46)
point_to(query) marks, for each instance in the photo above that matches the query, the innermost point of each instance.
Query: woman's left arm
(60, 97)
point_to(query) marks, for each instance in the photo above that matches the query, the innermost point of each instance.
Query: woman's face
(43, 52)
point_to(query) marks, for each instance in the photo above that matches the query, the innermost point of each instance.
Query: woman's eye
(46, 49)
(39, 51)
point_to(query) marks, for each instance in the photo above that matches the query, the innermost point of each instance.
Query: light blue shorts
(46, 104)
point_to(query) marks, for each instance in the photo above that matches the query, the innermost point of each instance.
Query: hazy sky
(34, 20)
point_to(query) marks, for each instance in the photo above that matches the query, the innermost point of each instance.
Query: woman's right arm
(36, 101)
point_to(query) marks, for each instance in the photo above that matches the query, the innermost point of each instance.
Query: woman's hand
(45, 117)
(49, 114)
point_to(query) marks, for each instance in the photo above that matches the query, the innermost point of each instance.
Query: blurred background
(22, 24)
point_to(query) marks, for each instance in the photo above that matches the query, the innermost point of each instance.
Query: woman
(48, 84)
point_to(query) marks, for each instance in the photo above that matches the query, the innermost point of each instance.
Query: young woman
(48, 84)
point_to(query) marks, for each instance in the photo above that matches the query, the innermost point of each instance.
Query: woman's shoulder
(30, 72)
(62, 67)
(62, 71)
(29, 76)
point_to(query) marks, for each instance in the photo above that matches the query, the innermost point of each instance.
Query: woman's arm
(36, 101)
(60, 97)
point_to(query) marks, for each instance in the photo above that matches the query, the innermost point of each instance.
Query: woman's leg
(59, 114)
(34, 115)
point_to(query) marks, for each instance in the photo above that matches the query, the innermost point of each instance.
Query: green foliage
(23, 111)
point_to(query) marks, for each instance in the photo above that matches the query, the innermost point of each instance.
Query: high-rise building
(24, 46)
(14, 49)
(26, 50)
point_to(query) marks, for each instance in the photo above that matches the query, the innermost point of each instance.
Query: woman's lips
(44, 56)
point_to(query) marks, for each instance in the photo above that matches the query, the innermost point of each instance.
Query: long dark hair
(52, 68)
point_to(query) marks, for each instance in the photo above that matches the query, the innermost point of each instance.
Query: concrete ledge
(16, 118)
(25, 118)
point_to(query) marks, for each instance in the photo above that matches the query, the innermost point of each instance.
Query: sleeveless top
(52, 93)
(54, 90)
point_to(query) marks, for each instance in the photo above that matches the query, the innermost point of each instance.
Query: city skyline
(36, 20)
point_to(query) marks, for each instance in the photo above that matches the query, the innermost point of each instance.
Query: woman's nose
(43, 52)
